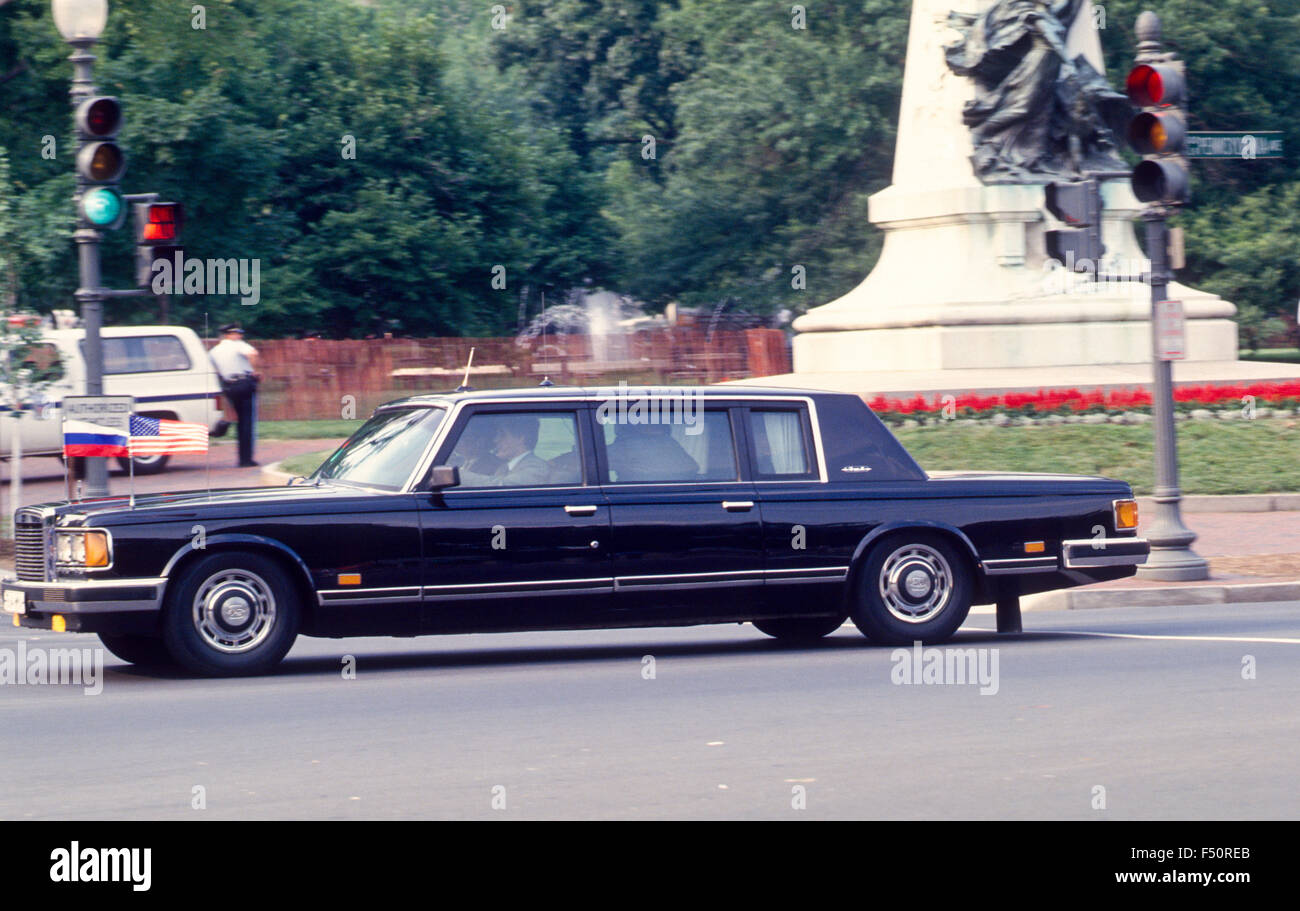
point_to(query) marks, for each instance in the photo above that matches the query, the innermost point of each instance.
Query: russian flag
(81, 438)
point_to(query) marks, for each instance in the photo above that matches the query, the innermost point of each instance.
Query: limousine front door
(524, 541)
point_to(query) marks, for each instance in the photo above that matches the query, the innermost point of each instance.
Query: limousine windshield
(385, 450)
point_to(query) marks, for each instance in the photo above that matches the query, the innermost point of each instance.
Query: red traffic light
(1155, 85)
(99, 117)
(160, 223)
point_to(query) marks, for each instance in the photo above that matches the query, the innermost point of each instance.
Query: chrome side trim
(1014, 565)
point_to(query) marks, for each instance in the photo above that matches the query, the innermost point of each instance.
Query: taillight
(1126, 514)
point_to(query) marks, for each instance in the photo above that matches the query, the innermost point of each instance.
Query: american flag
(158, 436)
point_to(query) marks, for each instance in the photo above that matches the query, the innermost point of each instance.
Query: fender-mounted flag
(82, 438)
(159, 436)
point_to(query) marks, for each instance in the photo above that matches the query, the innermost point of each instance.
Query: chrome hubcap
(234, 611)
(916, 583)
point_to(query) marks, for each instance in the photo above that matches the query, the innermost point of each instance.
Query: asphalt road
(1148, 703)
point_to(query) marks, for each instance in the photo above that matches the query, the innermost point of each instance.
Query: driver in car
(513, 441)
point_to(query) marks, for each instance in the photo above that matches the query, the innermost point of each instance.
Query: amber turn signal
(1126, 514)
(96, 548)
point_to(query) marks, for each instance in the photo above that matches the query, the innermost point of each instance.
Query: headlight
(1126, 514)
(81, 548)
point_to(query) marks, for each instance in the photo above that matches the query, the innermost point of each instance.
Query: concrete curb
(1087, 599)
(277, 478)
(1232, 502)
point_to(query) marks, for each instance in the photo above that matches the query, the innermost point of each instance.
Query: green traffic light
(102, 207)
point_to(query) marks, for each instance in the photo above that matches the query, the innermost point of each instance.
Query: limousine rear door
(686, 534)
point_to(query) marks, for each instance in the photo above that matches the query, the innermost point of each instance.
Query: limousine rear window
(383, 452)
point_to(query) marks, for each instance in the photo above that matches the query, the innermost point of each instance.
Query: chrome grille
(29, 547)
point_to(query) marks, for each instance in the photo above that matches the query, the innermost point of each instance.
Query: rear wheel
(142, 650)
(231, 614)
(913, 587)
(799, 629)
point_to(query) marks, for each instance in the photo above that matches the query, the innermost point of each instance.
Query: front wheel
(231, 614)
(914, 587)
(799, 629)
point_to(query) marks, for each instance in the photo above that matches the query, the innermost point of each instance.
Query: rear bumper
(1092, 553)
(92, 606)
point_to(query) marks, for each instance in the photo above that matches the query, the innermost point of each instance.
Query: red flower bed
(1072, 401)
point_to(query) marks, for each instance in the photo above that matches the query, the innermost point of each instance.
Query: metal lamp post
(1172, 558)
(81, 22)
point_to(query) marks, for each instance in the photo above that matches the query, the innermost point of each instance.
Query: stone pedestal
(963, 279)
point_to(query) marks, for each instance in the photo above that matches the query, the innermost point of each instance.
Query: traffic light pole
(1172, 558)
(90, 292)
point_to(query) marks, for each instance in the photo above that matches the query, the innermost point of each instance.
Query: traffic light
(1078, 204)
(100, 162)
(157, 237)
(1159, 133)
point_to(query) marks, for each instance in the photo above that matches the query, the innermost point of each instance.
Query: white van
(166, 368)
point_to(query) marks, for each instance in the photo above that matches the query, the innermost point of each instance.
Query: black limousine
(568, 508)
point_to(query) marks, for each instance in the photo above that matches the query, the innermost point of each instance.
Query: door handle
(580, 510)
(737, 505)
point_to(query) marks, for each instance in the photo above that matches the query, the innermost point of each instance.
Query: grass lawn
(1214, 457)
(304, 430)
(304, 464)
(1287, 355)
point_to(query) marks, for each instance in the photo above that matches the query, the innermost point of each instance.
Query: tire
(145, 464)
(147, 651)
(799, 629)
(230, 614)
(912, 587)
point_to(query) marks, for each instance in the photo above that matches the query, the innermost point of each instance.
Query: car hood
(248, 502)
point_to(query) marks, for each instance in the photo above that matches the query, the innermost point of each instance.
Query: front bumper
(91, 605)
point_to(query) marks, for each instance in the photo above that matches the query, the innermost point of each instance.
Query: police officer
(236, 363)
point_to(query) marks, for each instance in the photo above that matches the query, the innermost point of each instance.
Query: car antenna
(464, 384)
(212, 369)
(546, 380)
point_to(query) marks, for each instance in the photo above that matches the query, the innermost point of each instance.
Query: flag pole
(212, 371)
(130, 461)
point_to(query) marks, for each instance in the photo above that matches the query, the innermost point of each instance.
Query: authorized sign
(1262, 144)
(1171, 335)
(104, 410)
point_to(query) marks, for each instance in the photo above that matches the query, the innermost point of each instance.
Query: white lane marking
(1075, 632)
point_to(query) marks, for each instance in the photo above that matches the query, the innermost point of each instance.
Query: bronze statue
(1037, 114)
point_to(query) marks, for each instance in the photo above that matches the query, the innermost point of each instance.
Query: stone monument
(1000, 97)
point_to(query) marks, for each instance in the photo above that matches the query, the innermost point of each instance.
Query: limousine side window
(519, 449)
(782, 448)
(643, 453)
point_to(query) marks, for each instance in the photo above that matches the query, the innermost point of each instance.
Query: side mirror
(444, 476)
